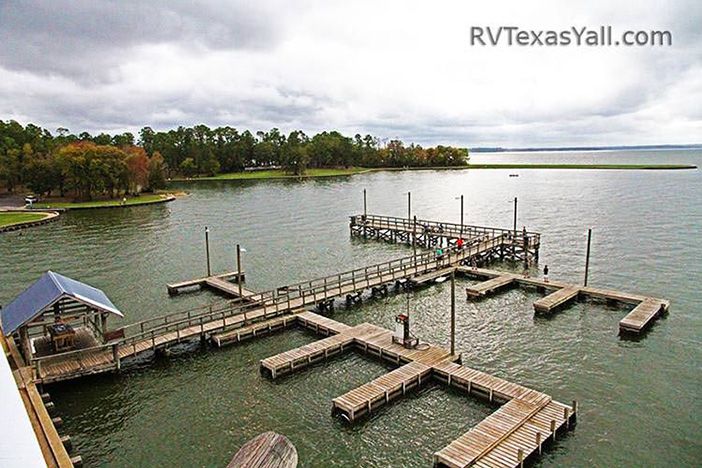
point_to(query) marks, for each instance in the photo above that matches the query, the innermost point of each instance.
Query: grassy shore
(14, 217)
(117, 202)
(280, 174)
(333, 172)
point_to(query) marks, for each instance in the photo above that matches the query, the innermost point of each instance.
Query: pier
(646, 308)
(515, 432)
(515, 245)
(203, 322)
(218, 283)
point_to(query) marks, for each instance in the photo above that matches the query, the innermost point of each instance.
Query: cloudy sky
(392, 68)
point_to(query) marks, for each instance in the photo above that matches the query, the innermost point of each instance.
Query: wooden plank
(489, 286)
(548, 303)
(643, 315)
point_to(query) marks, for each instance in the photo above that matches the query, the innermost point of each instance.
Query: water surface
(639, 399)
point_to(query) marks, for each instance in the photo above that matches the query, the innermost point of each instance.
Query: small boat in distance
(514, 175)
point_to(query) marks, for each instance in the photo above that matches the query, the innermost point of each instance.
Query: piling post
(115, 356)
(453, 312)
(207, 249)
(514, 228)
(461, 216)
(365, 204)
(409, 205)
(238, 270)
(587, 255)
(414, 242)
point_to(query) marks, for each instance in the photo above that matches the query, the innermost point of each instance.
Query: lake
(638, 400)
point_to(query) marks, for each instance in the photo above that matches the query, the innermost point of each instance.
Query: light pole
(515, 217)
(409, 205)
(453, 312)
(365, 205)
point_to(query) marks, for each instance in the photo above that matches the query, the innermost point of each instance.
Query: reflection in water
(198, 407)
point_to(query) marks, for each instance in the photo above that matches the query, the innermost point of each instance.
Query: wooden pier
(204, 322)
(515, 245)
(647, 309)
(219, 283)
(508, 437)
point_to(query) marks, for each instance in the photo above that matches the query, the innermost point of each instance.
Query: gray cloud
(366, 67)
(85, 39)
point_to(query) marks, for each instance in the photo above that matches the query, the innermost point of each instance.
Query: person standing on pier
(546, 274)
(459, 244)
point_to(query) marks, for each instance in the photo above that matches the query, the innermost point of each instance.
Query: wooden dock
(368, 397)
(508, 437)
(166, 330)
(647, 309)
(643, 315)
(490, 286)
(431, 276)
(220, 283)
(556, 299)
(515, 245)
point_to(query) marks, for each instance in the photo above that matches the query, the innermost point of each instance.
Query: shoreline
(279, 174)
(48, 216)
(104, 204)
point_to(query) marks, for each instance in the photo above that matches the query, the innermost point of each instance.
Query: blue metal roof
(49, 289)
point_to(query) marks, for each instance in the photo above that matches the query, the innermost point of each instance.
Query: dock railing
(437, 228)
(268, 304)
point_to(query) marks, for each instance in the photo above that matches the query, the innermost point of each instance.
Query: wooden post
(461, 216)
(587, 255)
(453, 312)
(115, 356)
(409, 205)
(538, 441)
(207, 249)
(414, 242)
(515, 217)
(520, 457)
(238, 271)
(365, 205)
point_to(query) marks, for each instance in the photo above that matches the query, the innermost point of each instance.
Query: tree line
(106, 165)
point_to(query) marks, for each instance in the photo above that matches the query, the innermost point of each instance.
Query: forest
(103, 165)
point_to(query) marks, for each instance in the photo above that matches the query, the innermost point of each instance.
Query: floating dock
(508, 437)
(219, 283)
(647, 309)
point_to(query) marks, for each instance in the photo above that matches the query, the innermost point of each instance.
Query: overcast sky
(391, 68)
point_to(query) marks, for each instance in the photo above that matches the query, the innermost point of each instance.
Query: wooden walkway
(252, 331)
(513, 433)
(556, 299)
(490, 286)
(368, 397)
(431, 276)
(647, 309)
(221, 283)
(169, 329)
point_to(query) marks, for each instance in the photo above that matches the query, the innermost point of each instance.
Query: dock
(556, 299)
(646, 308)
(368, 397)
(490, 286)
(515, 432)
(163, 331)
(219, 283)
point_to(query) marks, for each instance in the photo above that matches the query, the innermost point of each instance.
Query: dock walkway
(169, 329)
(510, 435)
(647, 309)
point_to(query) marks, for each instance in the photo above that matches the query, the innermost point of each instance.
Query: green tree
(188, 167)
